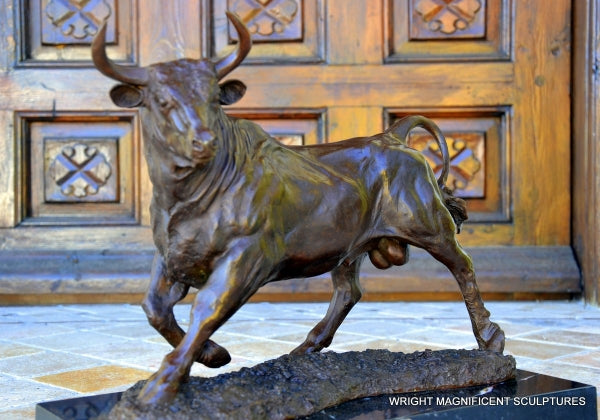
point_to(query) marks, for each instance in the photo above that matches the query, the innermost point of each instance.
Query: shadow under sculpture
(233, 209)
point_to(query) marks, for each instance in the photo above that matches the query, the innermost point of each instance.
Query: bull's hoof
(213, 355)
(493, 338)
(304, 348)
(157, 391)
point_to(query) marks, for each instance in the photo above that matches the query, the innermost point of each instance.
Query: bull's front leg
(226, 289)
(158, 304)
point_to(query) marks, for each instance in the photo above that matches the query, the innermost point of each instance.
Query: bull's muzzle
(203, 138)
(203, 145)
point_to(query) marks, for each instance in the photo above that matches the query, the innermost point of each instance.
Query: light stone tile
(586, 325)
(542, 310)
(21, 413)
(265, 329)
(25, 311)
(299, 312)
(559, 336)
(391, 345)
(94, 324)
(260, 349)
(103, 331)
(440, 337)
(158, 339)
(236, 364)
(339, 337)
(148, 361)
(419, 310)
(225, 339)
(114, 312)
(248, 312)
(17, 331)
(219, 337)
(46, 362)
(69, 341)
(386, 328)
(94, 379)
(55, 317)
(543, 323)
(511, 329)
(8, 349)
(21, 394)
(536, 350)
(354, 345)
(139, 329)
(117, 349)
(587, 358)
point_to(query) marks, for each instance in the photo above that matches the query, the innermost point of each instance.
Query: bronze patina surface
(299, 385)
(233, 209)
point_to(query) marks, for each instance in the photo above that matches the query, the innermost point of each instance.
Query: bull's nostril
(205, 137)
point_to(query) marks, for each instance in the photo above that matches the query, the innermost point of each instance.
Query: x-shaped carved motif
(77, 18)
(80, 170)
(459, 154)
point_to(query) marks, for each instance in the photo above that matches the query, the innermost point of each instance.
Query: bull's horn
(226, 64)
(132, 75)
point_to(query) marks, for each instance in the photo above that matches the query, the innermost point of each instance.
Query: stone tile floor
(57, 352)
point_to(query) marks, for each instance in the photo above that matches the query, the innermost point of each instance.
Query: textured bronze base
(528, 396)
(295, 386)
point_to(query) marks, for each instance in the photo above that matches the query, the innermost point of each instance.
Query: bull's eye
(163, 103)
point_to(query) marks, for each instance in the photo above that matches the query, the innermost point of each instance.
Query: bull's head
(181, 98)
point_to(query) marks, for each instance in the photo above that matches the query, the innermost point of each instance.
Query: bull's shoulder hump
(250, 127)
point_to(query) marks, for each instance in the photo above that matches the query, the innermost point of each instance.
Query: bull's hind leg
(158, 304)
(488, 334)
(345, 295)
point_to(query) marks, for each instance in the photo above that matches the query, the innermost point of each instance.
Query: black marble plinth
(530, 396)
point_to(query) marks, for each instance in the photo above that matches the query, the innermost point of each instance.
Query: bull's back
(402, 189)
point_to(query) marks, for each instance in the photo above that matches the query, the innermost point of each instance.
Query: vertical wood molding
(362, 44)
(541, 146)
(177, 30)
(586, 126)
(8, 48)
(7, 35)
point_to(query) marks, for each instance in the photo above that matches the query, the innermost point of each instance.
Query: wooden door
(494, 74)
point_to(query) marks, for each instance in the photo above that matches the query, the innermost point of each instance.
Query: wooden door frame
(585, 186)
(586, 152)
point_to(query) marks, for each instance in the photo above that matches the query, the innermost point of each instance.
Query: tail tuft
(456, 206)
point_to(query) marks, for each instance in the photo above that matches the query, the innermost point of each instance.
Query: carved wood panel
(76, 22)
(81, 171)
(431, 19)
(437, 30)
(269, 20)
(478, 143)
(59, 32)
(283, 31)
(467, 160)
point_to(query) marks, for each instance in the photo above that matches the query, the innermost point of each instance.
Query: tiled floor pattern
(58, 352)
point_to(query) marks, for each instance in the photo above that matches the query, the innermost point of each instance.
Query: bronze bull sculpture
(233, 209)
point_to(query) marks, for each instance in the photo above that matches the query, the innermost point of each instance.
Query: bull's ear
(231, 92)
(126, 96)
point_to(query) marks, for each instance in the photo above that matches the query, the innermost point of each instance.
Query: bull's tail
(401, 128)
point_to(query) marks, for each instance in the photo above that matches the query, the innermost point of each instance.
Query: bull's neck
(176, 186)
